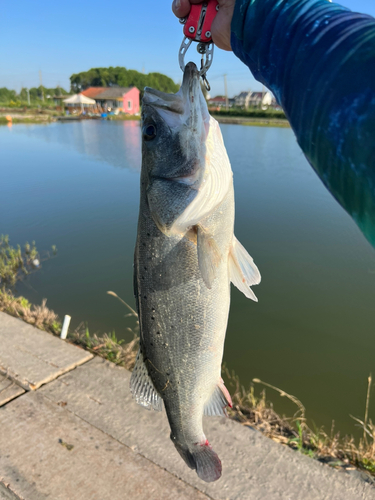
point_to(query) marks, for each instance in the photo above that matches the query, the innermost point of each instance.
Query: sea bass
(186, 255)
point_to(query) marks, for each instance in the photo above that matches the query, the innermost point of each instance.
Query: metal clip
(197, 28)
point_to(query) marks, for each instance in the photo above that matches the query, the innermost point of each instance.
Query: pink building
(111, 98)
(131, 101)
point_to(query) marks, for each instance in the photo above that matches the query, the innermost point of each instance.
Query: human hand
(220, 28)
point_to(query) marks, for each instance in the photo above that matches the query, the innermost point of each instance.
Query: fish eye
(149, 132)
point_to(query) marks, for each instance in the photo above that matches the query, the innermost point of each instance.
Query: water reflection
(115, 142)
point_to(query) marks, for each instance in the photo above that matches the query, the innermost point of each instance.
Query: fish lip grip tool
(197, 28)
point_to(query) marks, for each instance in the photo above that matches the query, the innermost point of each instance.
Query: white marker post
(64, 330)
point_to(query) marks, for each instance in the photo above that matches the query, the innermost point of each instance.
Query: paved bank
(81, 436)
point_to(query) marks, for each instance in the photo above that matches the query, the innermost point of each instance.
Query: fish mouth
(185, 102)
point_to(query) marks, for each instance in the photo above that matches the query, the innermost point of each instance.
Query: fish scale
(186, 255)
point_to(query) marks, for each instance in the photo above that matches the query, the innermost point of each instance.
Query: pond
(76, 186)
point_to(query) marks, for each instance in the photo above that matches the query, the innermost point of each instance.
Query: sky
(58, 39)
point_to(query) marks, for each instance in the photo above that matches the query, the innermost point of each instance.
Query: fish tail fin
(202, 458)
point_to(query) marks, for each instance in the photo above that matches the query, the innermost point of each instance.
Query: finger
(181, 8)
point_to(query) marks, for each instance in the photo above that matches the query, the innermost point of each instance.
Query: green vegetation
(123, 117)
(257, 412)
(39, 97)
(107, 77)
(255, 122)
(39, 316)
(28, 120)
(14, 262)
(250, 113)
(15, 265)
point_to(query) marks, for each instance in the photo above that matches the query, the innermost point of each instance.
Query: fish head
(175, 132)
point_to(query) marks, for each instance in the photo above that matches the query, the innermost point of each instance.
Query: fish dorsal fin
(142, 388)
(242, 270)
(208, 255)
(220, 399)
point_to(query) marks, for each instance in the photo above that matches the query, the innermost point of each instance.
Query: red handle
(194, 27)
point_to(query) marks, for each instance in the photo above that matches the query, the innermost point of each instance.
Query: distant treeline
(95, 77)
(253, 113)
(107, 77)
(37, 95)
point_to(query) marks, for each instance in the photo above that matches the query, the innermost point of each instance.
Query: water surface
(76, 185)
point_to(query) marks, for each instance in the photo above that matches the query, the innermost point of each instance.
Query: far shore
(254, 122)
(47, 116)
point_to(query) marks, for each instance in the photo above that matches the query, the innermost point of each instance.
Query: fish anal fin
(142, 388)
(220, 399)
(242, 270)
(208, 255)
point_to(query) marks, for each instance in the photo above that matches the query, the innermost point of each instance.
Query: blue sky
(61, 38)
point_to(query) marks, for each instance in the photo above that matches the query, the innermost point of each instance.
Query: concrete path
(81, 437)
(31, 357)
(8, 390)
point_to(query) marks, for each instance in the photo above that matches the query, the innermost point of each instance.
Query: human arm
(318, 59)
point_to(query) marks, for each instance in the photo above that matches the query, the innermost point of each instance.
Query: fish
(185, 257)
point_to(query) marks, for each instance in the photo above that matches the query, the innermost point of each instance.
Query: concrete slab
(6, 494)
(49, 453)
(32, 357)
(254, 467)
(8, 390)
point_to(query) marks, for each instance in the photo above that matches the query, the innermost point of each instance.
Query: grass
(16, 263)
(38, 316)
(123, 117)
(251, 113)
(257, 411)
(34, 119)
(249, 407)
(261, 123)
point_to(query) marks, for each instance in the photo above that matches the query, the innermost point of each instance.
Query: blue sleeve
(318, 59)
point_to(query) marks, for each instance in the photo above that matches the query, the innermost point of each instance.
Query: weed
(39, 316)
(15, 264)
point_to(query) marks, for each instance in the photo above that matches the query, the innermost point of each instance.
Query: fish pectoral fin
(220, 399)
(242, 270)
(208, 255)
(142, 388)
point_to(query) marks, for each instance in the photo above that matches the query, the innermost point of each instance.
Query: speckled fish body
(186, 255)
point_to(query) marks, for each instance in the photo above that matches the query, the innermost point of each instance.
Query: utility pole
(226, 92)
(263, 92)
(41, 84)
(28, 97)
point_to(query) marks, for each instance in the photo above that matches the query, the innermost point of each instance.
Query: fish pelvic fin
(202, 458)
(242, 270)
(142, 387)
(218, 402)
(208, 255)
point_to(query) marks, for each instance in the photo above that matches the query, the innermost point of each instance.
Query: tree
(109, 77)
(7, 95)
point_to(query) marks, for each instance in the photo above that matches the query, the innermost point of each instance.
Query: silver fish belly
(186, 255)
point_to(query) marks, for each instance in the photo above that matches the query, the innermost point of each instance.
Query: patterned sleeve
(318, 58)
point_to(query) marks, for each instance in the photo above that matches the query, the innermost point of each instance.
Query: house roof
(242, 94)
(92, 91)
(113, 93)
(218, 98)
